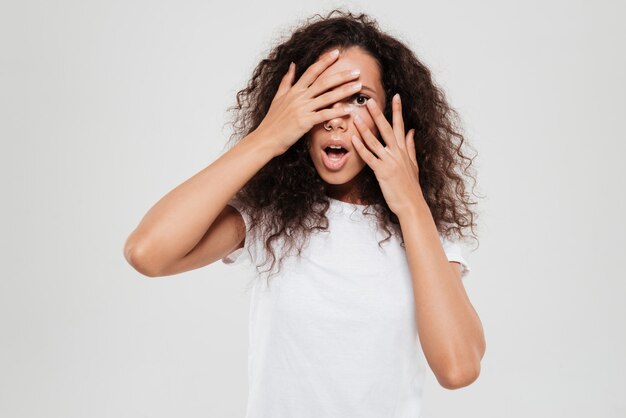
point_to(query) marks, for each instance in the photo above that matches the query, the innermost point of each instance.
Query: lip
(334, 165)
(335, 141)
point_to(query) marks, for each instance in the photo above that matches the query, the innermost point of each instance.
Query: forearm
(177, 222)
(449, 328)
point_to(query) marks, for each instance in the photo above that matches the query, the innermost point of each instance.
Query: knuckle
(302, 122)
(318, 118)
(323, 83)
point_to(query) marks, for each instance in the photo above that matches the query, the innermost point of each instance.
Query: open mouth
(334, 158)
(335, 153)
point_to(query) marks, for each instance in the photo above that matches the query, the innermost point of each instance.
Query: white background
(106, 106)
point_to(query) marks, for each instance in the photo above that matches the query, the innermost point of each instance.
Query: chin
(347, 176)
(338, 178)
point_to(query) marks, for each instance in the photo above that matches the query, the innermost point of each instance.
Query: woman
(326, 159)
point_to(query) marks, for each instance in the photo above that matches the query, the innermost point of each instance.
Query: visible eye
(360, 96)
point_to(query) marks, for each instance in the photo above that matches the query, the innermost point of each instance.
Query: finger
(336, 95)
(343, 83)
(385, 129)
(398, 123)
(311, 73)
(365, 154)
(370, 139)
(410, 144)
(287, 81)
(328, 114)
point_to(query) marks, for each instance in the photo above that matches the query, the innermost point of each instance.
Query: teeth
(335, 146)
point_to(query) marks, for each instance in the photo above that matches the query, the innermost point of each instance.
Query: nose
(339, 122)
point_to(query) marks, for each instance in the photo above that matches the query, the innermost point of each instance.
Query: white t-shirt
(334, 335)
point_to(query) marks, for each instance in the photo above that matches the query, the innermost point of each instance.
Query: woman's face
(339, 174)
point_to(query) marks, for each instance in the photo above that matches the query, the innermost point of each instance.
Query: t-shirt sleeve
(454, 252)
(240, 255)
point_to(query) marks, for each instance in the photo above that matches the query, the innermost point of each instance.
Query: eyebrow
(363, 87)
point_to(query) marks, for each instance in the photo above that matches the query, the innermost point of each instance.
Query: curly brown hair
(286, 198)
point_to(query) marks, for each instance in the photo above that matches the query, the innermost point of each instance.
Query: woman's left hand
(395, 165)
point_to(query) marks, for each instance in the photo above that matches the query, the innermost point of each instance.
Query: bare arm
(191, 226)
(180, 219)
(450, 330)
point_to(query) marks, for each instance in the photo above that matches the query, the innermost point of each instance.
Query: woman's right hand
(294, 109)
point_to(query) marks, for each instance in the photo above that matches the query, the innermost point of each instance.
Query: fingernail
(334, 53)
(357, 118)
(291, 66)
(397, 98)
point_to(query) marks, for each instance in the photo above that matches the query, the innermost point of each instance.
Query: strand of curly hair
(286, 199)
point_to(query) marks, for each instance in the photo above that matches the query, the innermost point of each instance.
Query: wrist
(262, 145)
(415, 207)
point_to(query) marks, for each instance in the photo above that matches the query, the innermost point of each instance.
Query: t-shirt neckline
(341, 202)
(347, 205)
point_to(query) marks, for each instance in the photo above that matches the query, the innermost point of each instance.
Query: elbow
(462, 373)
(137, 257)
(459, 377)
(462, 370)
